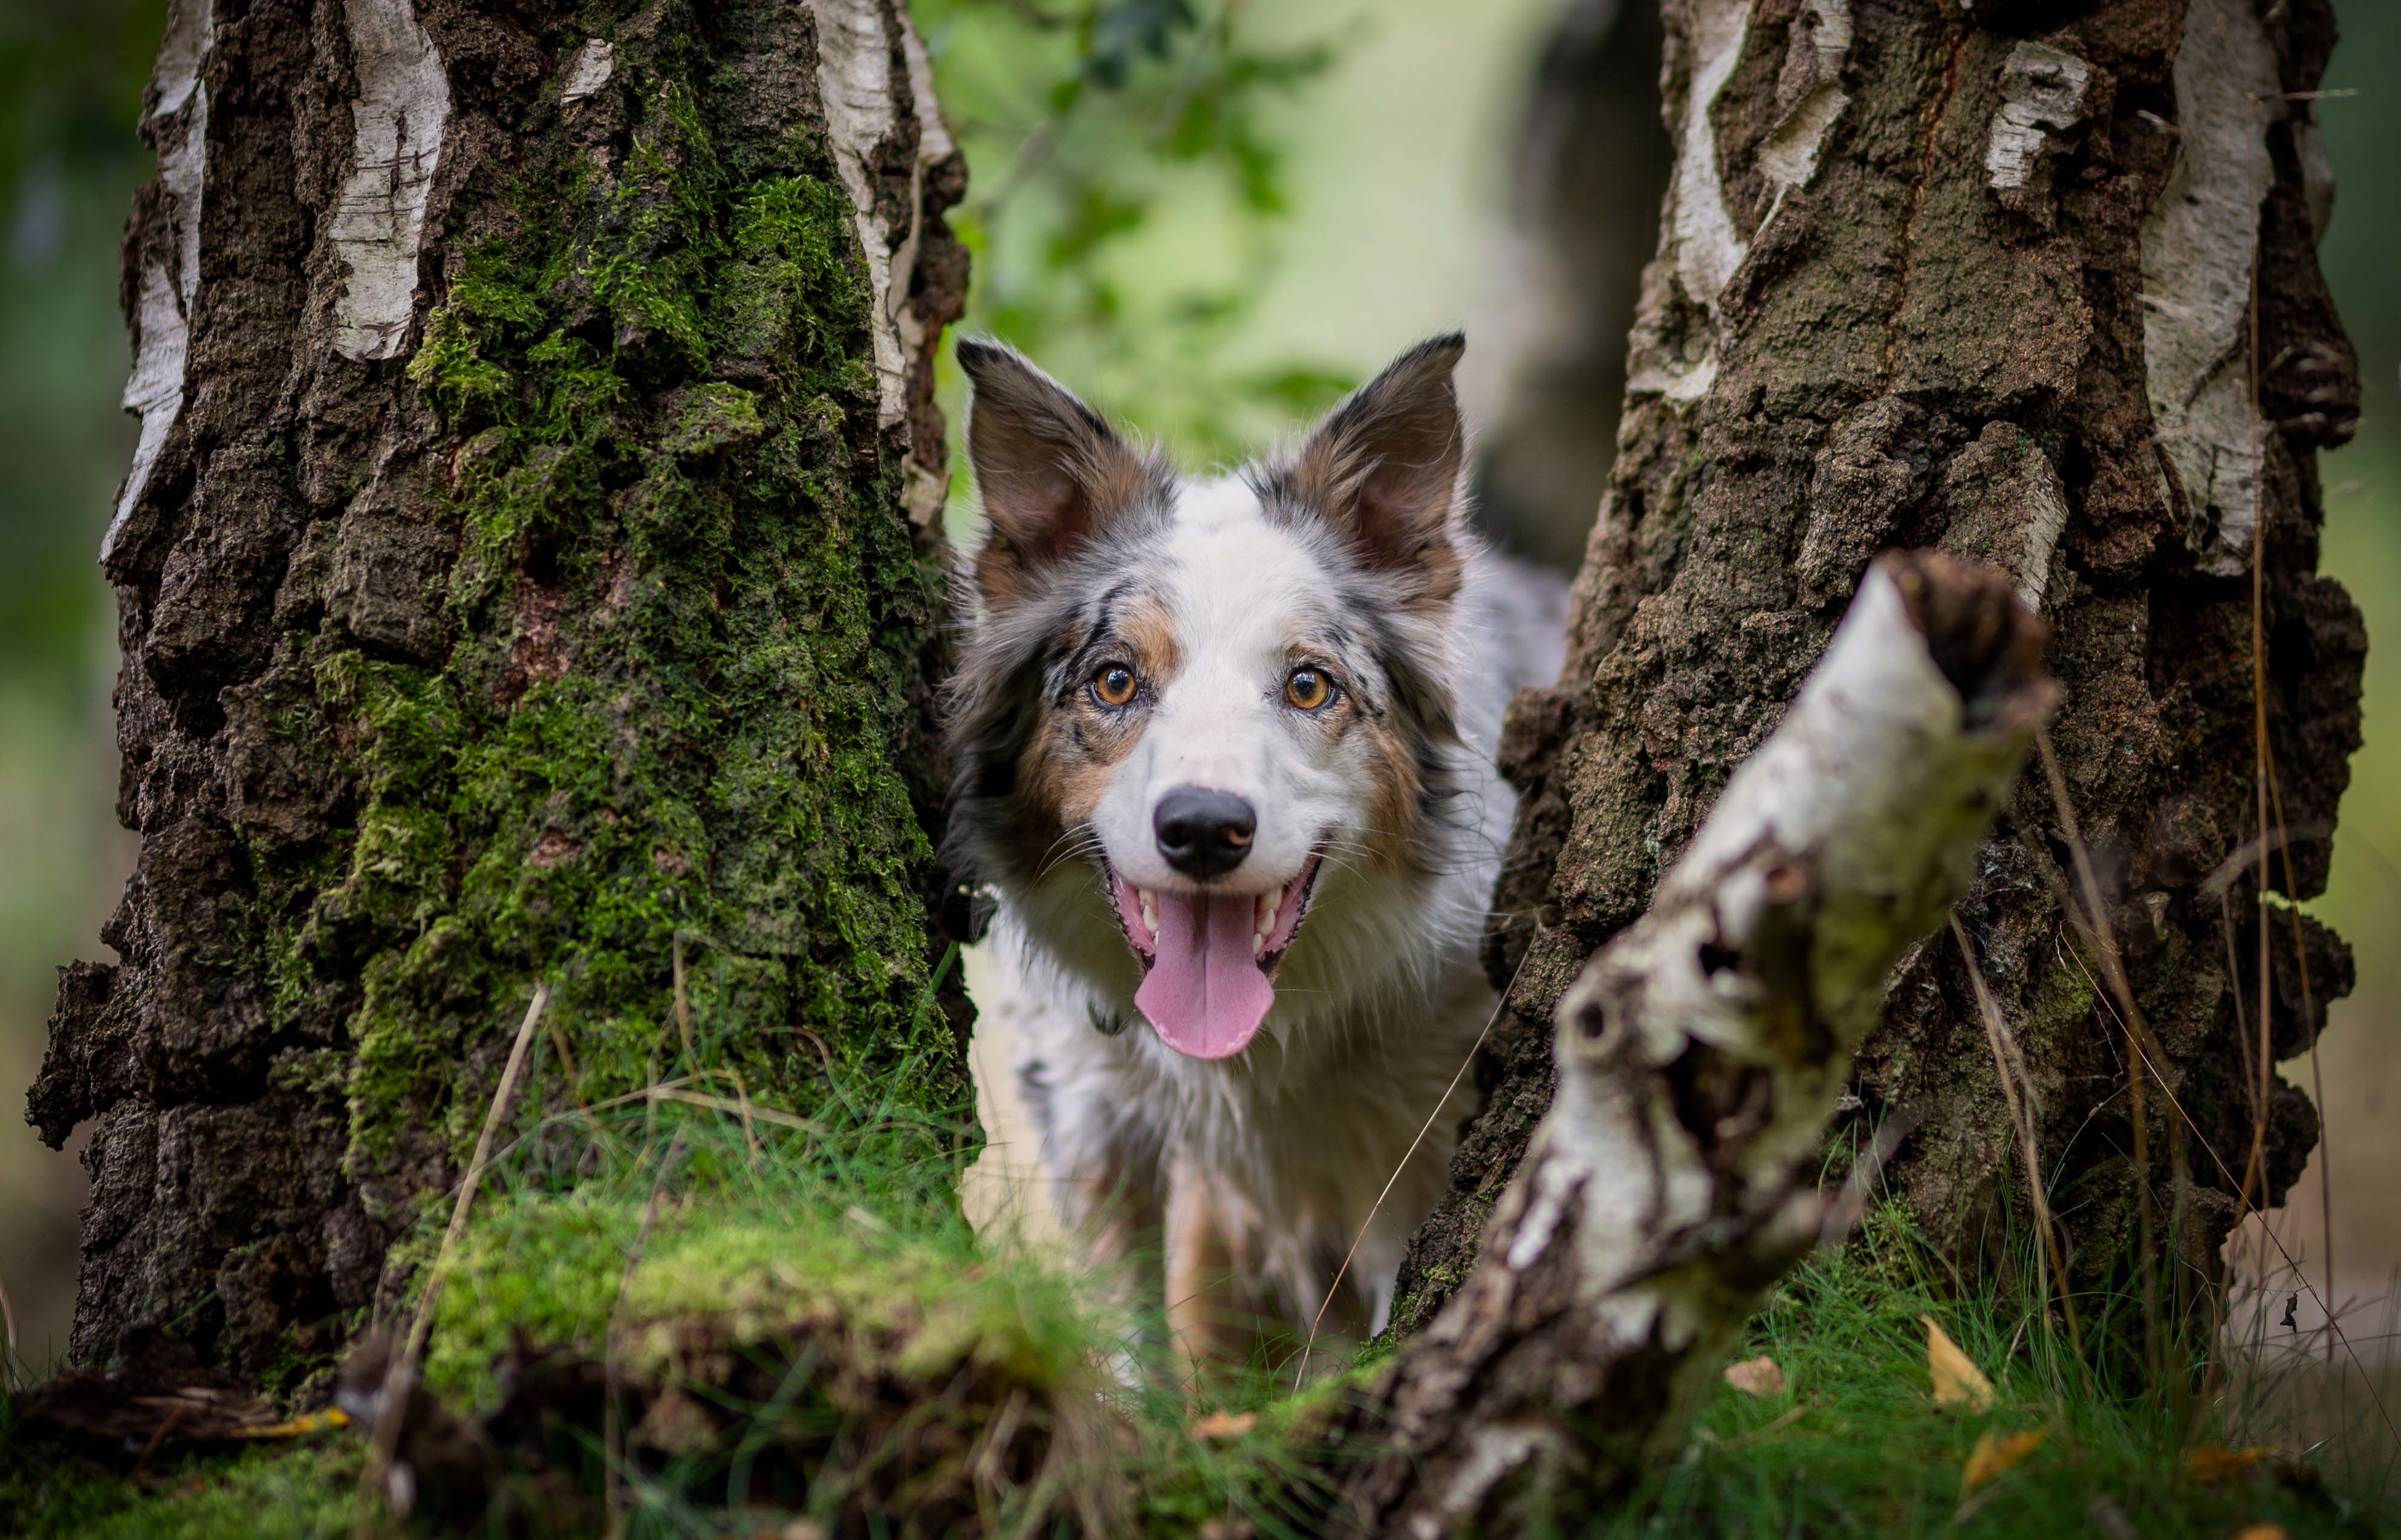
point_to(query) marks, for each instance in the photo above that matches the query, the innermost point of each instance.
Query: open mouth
(1209, 959)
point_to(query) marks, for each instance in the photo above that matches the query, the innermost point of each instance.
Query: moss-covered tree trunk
(2036, 285)
(527, 571)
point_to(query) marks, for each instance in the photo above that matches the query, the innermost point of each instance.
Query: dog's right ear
(1050, 473)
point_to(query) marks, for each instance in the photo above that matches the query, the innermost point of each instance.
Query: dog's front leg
(1214, 1284)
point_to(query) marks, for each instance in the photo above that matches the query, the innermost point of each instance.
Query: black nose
(1203, 834)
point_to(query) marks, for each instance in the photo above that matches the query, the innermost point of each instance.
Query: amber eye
(1114, 686)
(1307, 689)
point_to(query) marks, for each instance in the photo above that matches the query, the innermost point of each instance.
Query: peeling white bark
(2043, 90)
(178, 125)
(1837, 847)
(1698, 247)
(1707, 248)
(1788, 155)
(855, 77)
(588, 71)
(378, 219)
(2200, 252)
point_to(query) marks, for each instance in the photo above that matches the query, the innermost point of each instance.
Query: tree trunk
(2035, 285)
(527, 571)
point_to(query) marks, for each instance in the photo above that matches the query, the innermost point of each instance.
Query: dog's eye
(1309, 688)
(1114, 686)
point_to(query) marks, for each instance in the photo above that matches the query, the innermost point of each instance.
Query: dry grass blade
(683, 1009)
(2010, 1065)
(7, 1313)
(2092, 918)
(2268, 1235)
(1339, 1274)
(747, 1110)
(2309, 1018)
(400, 1374)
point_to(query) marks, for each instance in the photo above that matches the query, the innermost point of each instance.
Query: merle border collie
(1223, 750)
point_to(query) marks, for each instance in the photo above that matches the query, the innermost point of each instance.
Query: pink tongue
(1205, 993)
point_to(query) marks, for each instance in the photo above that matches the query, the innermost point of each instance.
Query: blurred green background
(1210, 217)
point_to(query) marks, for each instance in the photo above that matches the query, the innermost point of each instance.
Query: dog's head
(1218, 696)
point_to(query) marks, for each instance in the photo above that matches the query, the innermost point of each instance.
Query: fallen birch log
(1699, 1055)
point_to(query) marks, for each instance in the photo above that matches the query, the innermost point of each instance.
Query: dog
(1222, 751)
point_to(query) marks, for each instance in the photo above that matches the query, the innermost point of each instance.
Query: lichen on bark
(586, 636)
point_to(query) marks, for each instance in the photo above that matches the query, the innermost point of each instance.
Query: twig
(399, 1373)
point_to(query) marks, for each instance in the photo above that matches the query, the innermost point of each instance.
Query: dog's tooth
(1258, 944)
(1149, 910)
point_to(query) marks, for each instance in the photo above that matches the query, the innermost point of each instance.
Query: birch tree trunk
(526, 571)
(2035, 285)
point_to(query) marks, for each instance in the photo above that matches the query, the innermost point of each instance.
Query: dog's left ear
(1383, 468)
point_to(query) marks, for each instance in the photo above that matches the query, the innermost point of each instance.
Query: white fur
(1380, 996)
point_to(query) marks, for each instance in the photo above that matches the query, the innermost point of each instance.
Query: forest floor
(812, 1341)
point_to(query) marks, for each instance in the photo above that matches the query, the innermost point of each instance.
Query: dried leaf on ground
(1224, 1424)
(328, 1421)
(1758, 1376)
(2214, 1462)
(1996, 1456)
(2261, 1532)
(1957, 1380)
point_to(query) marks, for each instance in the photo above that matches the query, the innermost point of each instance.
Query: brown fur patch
(1398, 807)
(1071, 755)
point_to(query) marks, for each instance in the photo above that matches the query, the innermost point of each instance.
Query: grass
(1854, 1445)
(811, 1287)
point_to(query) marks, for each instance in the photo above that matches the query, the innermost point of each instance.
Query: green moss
(547, 1267)
(685, 619)
(299, 1491)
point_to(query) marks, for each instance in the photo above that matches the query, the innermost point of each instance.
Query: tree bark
(528, 571)
(1673, 1180)
(2035, 285)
